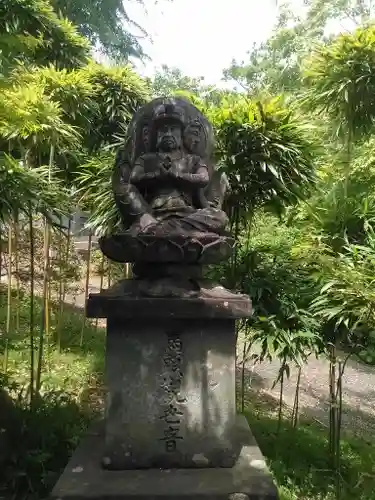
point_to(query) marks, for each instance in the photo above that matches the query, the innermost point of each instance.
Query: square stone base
(84, 478)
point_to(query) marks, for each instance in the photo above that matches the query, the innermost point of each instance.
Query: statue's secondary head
(168, 125)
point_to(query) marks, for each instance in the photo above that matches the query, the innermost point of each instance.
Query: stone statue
(168, 192)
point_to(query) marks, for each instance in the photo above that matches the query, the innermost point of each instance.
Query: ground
(358, 392)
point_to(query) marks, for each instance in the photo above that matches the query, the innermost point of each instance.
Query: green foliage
(299, 460)
(347, 299)
(36, 442)
(29, 192)
(166, 81)
(275, 64)
(341, 82)
(272, 273)
(98, 100)
(39, 441)
(28, 116)
(78, 111)
(103, 22)
(71, 90)
(94, 192)
(119, 92)
(266, 153)
(31, 31)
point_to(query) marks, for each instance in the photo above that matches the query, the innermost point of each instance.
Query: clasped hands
(172, 171)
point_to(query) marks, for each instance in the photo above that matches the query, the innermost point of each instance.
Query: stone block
(171, 394)
(85, 479)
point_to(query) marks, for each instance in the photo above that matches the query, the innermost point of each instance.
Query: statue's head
(169, 126)
(193, 136)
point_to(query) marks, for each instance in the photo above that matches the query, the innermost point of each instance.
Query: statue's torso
(164, 195)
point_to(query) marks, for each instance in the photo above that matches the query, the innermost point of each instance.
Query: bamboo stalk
(44, 327)
(333, 406)
(338, 434)
(43, 324)
(16, 268)
(9, 299)
(1, 253)
(60, 292)
(244, 350)
(296, 400)
(101, 282)
(62, 302)
(87, 282)
(109, 273)
(32, 280)
(281, 399)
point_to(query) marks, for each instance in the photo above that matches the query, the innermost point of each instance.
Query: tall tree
(275, 64)
(30, 31)
(340, 82)
(105, 23)
(168, 80)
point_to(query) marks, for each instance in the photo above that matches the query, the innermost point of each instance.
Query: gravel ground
(358, 391)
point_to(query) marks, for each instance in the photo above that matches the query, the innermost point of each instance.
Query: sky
(202, 37)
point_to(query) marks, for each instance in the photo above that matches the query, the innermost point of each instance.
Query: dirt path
(358, 391)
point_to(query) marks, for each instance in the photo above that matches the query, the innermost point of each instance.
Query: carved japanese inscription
(173, 398)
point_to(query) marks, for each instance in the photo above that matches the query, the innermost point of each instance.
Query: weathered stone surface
(128, 299)
(167, 190)
(202, 248)
(85, 479)
(171, 394)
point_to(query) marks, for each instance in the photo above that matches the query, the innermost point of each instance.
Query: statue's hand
(163, 172)
(144, 222)
(174, 172)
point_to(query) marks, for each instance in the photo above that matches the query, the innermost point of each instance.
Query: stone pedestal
(170, 375)
(170, 429)
(85, 479)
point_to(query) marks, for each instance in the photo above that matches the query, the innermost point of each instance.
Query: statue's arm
(129, 200)
(200, 178)
(217, 189)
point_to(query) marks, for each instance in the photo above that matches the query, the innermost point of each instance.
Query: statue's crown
(169, 110)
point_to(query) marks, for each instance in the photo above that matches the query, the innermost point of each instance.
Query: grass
(36, 445)
(299, 459)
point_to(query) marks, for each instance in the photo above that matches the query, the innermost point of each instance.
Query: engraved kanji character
(172, 411)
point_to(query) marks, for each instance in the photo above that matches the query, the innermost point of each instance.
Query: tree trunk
(60, 291)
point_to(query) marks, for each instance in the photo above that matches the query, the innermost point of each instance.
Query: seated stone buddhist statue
(170, 189)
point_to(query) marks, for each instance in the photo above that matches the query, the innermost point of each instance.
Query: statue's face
(192, 138)
(169, 136)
